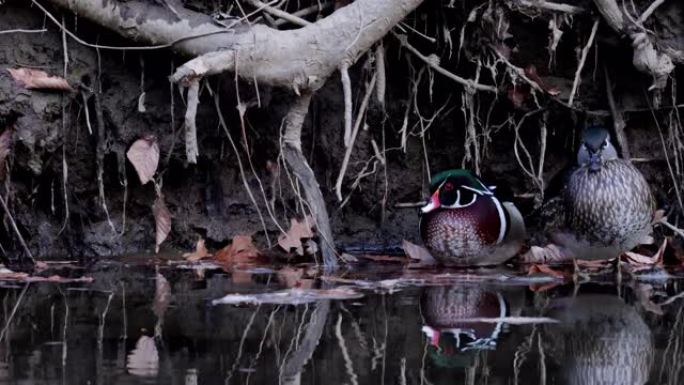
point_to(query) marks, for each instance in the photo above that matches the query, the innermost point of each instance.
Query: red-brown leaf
(199, 253)
(5, 145)
(162, 220)
(293, 238)
(144, 155)
(39, 80)
(545, 269)
(241, 250)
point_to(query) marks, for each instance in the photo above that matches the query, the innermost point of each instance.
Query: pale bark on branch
(300, 59)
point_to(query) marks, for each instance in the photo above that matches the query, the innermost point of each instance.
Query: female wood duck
(464, 224)
(608, 204)
(599, 340)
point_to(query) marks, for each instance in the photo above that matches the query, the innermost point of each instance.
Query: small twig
(279, 13)
(618, 118)
(224, 126)
(306, 11)
(435, 66)
(549, 6)
(408, 205)
(346, 90)
(518, 71)
(649, 11)
(417, 32)
(22, 31)
(16, 229)
(357, 124)
(583, 59)
(99, 158)
(664, 222)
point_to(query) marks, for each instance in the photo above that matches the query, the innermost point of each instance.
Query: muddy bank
(52, 188)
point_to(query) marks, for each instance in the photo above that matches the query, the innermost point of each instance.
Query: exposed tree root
(583, 59)
(16, 229)
(618, 118)
(292, 152)
(352, 139)
(191, 149)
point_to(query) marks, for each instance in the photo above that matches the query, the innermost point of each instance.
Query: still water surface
(483, 327)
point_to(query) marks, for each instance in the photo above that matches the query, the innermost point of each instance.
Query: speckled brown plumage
(612, 206)
(459, 235)
(444, 307)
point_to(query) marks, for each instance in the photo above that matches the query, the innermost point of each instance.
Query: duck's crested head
(455, 188)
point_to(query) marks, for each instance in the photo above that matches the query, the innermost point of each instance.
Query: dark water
(423, 329)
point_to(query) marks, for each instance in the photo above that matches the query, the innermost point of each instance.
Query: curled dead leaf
(39, 80)
(162, 220)
(241, 250)
(144, 156)
(143, 361)
(419, 253)
(199, 253)
(293, 238)
(638, 259)
(547, 254)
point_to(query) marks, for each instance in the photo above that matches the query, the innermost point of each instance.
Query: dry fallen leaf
(144, 155)
(39, 80)
(547, 254)
(638, 259)
(162, 220)
(293, 238)
(241, 250)
(199, 253)
(143, 361)
(545, 269)
(5, 144)
(419, 253)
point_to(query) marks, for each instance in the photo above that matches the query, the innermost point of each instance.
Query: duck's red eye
(448, 187)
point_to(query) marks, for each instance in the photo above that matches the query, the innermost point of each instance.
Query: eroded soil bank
(52, 186)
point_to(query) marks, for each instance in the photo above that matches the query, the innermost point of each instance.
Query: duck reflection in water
(460, 322)
(599, 340)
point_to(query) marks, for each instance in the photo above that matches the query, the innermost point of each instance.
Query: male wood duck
(608, 204)
(465, 224)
